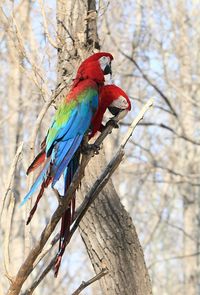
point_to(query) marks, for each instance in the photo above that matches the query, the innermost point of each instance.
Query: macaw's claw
(86, 148)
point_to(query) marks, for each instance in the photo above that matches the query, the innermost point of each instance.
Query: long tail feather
(37, 182)
(64, 234)
(68, 216)
(44, 185)
(39, 159)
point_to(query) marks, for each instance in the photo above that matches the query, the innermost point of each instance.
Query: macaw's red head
(95, 67)
(113, 98)
(116, 99)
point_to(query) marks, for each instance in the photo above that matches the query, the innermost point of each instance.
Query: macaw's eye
(104, 59)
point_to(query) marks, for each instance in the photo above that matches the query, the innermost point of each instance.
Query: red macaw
(113, 98)
(60, 149)
(117, 101)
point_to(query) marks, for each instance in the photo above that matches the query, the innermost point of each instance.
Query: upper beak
(107, 69)
(114, 110)
(118, 105)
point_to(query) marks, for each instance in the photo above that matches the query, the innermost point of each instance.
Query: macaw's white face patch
(104, 61)
(120, 103)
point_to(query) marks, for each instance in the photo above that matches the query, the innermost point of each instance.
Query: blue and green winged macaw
(60, 150)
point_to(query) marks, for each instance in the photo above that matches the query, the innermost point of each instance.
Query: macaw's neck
(99, 82)
(91, 71)
(79, 89)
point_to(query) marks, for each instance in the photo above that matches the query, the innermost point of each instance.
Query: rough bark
(111, 239)
(107, 229)
(77, 36)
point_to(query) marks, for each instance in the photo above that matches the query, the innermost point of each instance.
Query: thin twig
(6, 242)
(30, 290)
(136, 121)
(11, 176)
(174, 258)
(144, 76)
(46, 250)
(84, 285)
(46, 31)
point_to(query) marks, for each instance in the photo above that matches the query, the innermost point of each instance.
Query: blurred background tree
(156, 49)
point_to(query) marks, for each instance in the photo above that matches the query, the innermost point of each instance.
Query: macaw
(60, 149)
(117, 101)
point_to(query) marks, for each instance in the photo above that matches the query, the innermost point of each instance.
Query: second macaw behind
(113, 98)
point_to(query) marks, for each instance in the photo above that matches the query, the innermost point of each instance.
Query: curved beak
(121, 113)
(108, 70)
(118, 105)
(114, 110)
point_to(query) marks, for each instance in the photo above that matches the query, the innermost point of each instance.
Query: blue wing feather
(61, 148)
(68, 157)
(66, 148)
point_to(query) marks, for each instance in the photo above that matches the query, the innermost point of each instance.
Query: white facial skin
(104, 61)
(120, 103)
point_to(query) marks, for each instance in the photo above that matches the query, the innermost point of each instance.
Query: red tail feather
(43, 186)
(39, 159)
(64, 235)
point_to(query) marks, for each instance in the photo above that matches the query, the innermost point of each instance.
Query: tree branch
(98, 185)
(46, 31)
(162, 125)
(91, 281)
(11, 176)
(144, 76)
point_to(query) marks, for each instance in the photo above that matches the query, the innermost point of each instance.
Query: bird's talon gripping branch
(86, 148)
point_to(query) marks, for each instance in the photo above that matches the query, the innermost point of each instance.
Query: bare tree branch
(156, 88)
(10, 176)
(7, 237)
(51, 41)
(174, 258)
(145, 77)
(91, 281)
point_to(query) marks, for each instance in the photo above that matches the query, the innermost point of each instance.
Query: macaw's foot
(86, 148)
(112, 123)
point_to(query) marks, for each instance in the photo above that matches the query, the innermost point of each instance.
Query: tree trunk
(111, 239)
(190, 194)
(107, 230)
